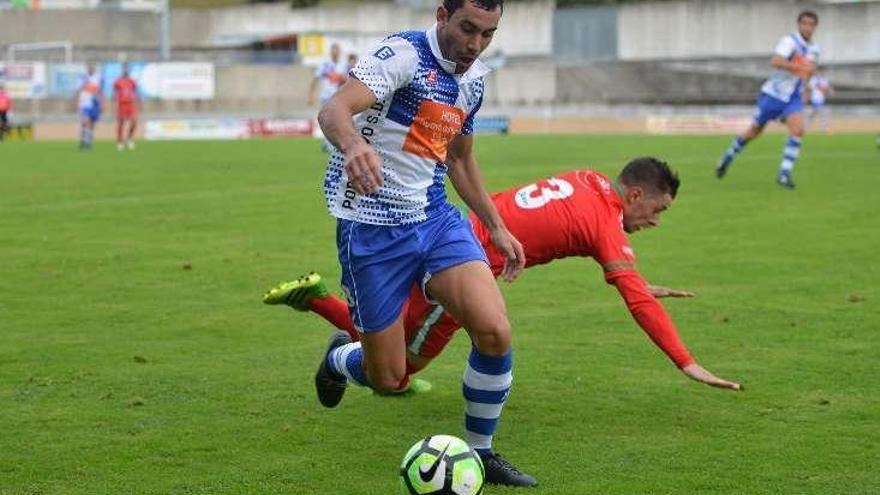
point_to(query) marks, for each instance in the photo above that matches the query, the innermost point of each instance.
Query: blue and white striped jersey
(421, 105)
(783, 85)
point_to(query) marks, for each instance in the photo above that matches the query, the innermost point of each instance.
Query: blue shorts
(380, 263)
(769, 108)
(93, 113)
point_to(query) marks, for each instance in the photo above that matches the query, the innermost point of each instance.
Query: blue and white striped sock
(735, 147)
(486, 385)
(790, 154)
(347, 361)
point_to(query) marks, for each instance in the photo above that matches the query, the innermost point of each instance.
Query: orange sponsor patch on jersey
(433, 127)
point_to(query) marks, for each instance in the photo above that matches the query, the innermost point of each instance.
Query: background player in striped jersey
(795, 59)
(125, 91)
(578, 213)
(89, 105)
(402, 121)
(329, 76)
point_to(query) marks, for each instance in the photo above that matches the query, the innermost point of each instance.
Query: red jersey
(573, 214)
(5, 101)
(125, 90)
(580, 214)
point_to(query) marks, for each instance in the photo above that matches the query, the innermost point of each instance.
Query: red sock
(334, 310)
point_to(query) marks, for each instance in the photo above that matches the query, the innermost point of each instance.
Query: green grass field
(123, 372)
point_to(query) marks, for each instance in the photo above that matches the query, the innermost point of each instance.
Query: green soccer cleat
(297, 293)
(416, 386)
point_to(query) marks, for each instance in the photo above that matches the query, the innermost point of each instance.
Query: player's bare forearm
(362, 164)
(781, 62)
(336, 124)
(464, 173)
(335, 117)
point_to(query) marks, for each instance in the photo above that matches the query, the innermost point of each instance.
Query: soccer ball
(441, 465)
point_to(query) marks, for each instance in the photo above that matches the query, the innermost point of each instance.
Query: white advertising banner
(197, 129)
(24, 79)
(227, 128)
(178, 80)
(696, 124)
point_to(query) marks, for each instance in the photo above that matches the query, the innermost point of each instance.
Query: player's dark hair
(452, 5)
(651, 174)
(810, 14)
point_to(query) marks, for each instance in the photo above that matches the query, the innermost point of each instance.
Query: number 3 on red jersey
(540, 193)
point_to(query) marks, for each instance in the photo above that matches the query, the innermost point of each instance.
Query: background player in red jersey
(579, 213)
(5, 107)
(125, 91)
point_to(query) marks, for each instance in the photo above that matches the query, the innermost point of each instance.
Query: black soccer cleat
(721, 169)
(784, 179)
(330, 389)
(499, 471)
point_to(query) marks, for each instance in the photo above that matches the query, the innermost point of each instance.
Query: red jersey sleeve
(612, 250)
(651, 316)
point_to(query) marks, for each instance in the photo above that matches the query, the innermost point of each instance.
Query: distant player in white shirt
(89, 106)
(781, 97)
(329, 76)
(819, 90)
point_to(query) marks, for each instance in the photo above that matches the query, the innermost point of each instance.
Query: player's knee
(494, 338)
(387, 380)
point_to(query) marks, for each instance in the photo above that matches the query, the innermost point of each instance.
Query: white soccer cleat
(130, 144)
(119, 147)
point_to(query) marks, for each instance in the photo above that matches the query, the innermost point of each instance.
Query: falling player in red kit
(579, 213)
(125, 90)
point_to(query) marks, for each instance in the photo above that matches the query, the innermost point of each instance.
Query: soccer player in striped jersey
(795, 59)
(579, 213)
(89, 105)
(399, 125)
(329, 77)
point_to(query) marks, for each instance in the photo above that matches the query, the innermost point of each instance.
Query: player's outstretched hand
(696, 372)
(364, 168)
(515, 257)
(659, 291)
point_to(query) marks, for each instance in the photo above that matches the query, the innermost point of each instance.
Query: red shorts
(126, 112)
(428, 327)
